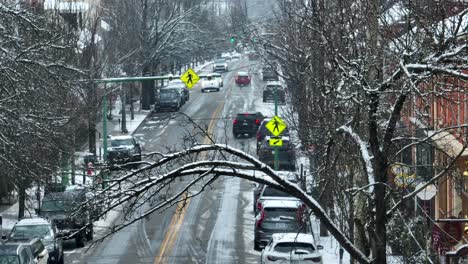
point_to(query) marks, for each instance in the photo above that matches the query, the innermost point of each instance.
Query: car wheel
(79, 241)
(256, 246)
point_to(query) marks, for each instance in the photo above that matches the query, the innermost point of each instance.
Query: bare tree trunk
(379, 233)
(21, 199)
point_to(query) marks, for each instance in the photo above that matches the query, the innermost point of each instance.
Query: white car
(292, 248)
(217, 77)
(235, 55)
(210, 85)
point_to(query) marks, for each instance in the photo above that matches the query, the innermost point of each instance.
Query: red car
(242, 78)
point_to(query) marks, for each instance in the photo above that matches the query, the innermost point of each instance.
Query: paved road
(216, 226)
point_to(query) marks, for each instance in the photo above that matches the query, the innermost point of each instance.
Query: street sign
(276, 126)
(405, 180)
(404, 176)
(275, 142)
(190, 78)
(427, 193)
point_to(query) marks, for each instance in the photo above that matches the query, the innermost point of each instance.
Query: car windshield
(284, 219)
(31, 231)
(121, 142)
(57, 205)
(250, 117)
(167, 95)
(220, 61)
(9, 259)
(270, 191)
(271, 87)
(287, 247)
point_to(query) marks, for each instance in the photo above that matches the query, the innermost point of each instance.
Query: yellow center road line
(182, 206)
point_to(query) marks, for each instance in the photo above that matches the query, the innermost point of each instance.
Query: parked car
(286, 154)
(242, 78)
(220, 65)
(292, 248)
(123, 149)
(246, 124)
(262, 132)
(58, 207)
(168, 98)
(32, 252)
(269, 73)
(269, 91)
(279, 216)
(39, 251)
(30, 228)
(258, 188)
(181, 85)
(269, 193)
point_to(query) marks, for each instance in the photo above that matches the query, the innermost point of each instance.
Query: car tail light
(257, 121)
(260, 219)
(234, 121)
(273, 258)
(259, 136)
(314, 259)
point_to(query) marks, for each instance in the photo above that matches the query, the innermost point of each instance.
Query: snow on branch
(140, 185)
(366, 157)
(452, 71)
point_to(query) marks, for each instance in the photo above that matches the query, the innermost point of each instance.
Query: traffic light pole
(104, 107)
(104, 137)
(276, 114)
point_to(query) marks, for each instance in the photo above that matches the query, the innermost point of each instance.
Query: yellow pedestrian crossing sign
(276, 126)
(190, 78)
(275, 142)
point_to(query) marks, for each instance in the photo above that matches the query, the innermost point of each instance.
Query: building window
(424, 157)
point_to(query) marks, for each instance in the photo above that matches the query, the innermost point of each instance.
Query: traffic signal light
(232, 40)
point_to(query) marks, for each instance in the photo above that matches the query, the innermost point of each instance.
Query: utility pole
(276, 114)
(104, 134)
(124, 112)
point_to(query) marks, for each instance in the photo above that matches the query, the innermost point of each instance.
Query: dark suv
(262, 132)
(123, 149)
(246, 123)
(58, 207)
(42, 228)
(278, 216)
(269, 73)
(269, 92)
(286, 154)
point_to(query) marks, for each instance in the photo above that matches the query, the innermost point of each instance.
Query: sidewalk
(9, 213)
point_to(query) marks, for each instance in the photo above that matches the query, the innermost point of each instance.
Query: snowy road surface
(217, 226)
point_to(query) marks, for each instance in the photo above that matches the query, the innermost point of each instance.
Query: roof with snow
(123, 137)
(294, 237)
(32, 221)
(63, 6)
(281, 204)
